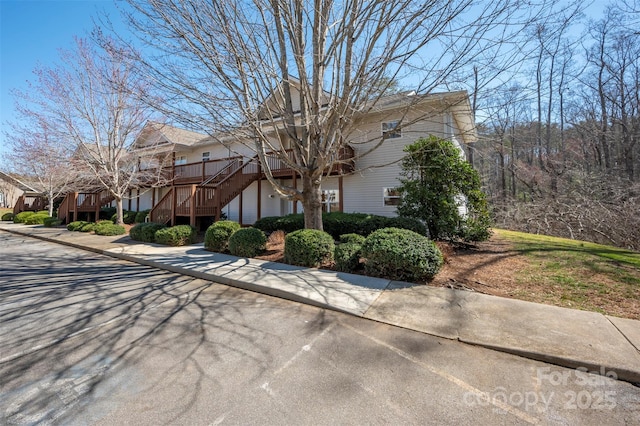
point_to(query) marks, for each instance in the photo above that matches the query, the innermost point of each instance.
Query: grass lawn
(576, 274)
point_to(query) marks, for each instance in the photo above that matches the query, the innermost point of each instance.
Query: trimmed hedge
(109, 228)
(7, 216)
(216, 238)
(288, 223)
(88, 227)
(128, 217)
(106, 213)
(347, 256)
(401, 254)
(22, 217)
(352, 238)
(75, 226)
(178, 235)
(36, 219)
(308, 247)
(50, 222)
(339, 223)
(141, 216)
(145, 232)
(247, 242)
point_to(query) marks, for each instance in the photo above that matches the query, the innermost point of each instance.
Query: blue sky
(31, 32)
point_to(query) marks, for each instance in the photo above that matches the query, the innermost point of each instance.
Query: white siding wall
(363, 191)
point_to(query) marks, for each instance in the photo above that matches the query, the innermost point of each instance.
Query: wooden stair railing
(162, 211)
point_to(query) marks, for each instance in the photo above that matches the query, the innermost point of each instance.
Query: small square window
(391, 130)
(391, 196)
(181, 160)
(206, 156)
(330, 200)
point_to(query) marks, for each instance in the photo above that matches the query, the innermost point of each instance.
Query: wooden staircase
(209, 197)
(88, 202)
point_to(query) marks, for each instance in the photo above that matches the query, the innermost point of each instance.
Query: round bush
(145, 232)
(50, 222)
(88, 227)
(347, 256)
(352, 238)
(178, 235)
(217, 236)
(400, 254)
(409, 223)
(36, 219)
(141, 216)
(22, 217)
(75, 226)
(247, 242)
(308, 247)
(7, 216)
(108, 228)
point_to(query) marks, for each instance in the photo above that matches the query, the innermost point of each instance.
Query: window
(391, 196)
(330, 200)
(391, 130)
(206, 156)
(181, 160)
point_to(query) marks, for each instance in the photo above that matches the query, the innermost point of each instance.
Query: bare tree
(92, 101)
(37, 154)
(293, 74)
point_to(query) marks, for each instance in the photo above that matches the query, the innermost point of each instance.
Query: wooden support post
(340, 195)
(174, 205)
(259, 212)
(240, 209)
(129, 203)
(192, 206)
(153, 197)
(97, 211)
(138, 200)
(75, 206)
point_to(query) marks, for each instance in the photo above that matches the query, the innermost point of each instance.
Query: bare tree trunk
(312, 204)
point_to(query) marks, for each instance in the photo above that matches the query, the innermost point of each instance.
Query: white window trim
(386, 197)
(206, 157)
(328, 202)
(181, 160)
(391, 129)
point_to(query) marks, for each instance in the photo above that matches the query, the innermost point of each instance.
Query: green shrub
(128, 217)
(308, 247)
(50, 222)
(7, 216)
(108, 228)
(75, 226)
(178, 235)
(247, 242)
(216, 238)
(22, 217)
(106, 213)
(352, 238)
(400, 254)
(347, 256)
(288, 223)
(88, 227)
(410, 223)
(145, 232)
(36, 219)
(141, 216)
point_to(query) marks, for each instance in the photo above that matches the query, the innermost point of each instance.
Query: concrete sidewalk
(567, 337)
